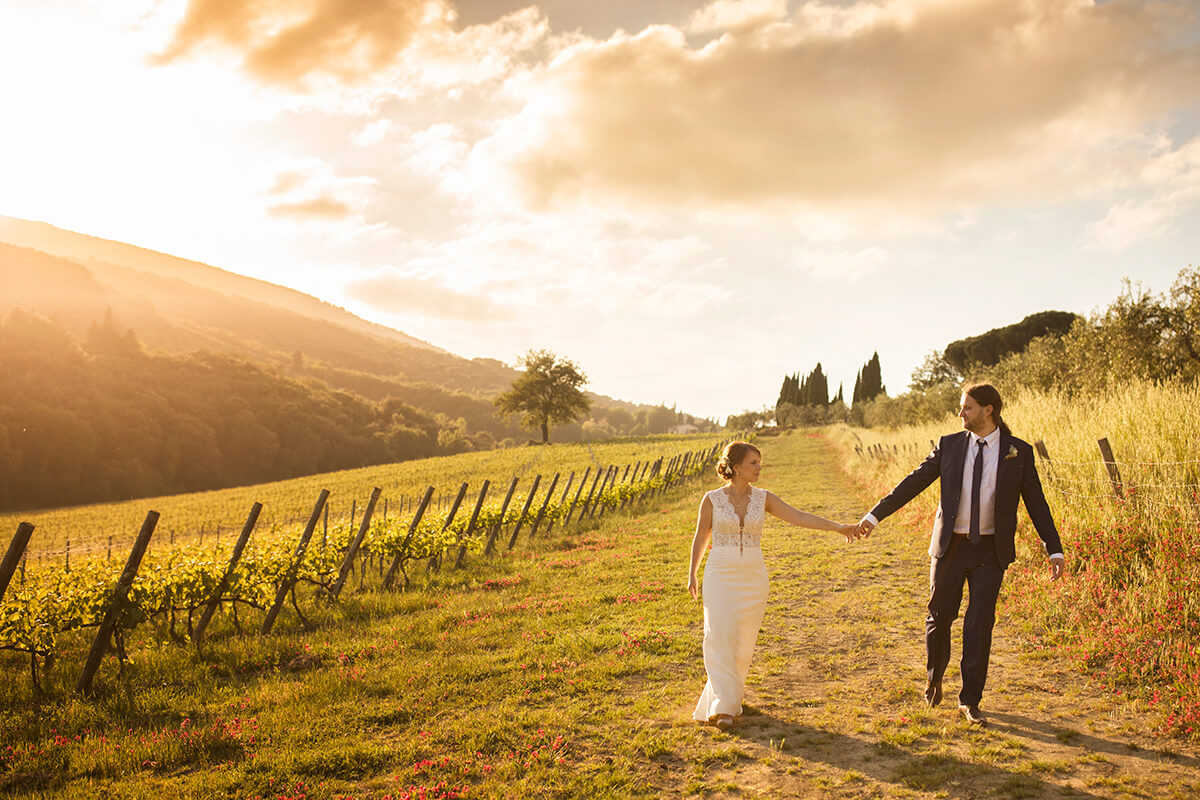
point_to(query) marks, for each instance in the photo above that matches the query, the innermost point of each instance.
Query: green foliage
(812, 390)
(868, 383)
(988, 348)
(1140, 336)
(548, 391)
(112, 423)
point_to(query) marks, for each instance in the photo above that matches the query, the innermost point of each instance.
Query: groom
(984, 470)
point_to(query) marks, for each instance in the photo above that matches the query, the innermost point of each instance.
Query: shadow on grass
(943, 773)
(1017, 725)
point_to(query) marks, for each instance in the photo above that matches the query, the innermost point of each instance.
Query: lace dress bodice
(728, 530)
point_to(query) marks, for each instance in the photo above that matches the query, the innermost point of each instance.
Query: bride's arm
(700, 544)
(778, 508)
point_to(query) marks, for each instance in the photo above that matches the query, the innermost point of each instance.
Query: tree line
(1140, 335)
(101, 418)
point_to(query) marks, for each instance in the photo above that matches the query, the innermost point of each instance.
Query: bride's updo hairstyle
(734, 454)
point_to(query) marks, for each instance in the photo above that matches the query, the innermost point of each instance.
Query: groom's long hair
(987, 395)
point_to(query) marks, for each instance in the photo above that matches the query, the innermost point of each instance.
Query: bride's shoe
(722, 722)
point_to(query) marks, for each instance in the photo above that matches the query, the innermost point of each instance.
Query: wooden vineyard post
(412, 529)
(223, 586)
(491, 540)
(587, 503)
(116, 604)
(465, 535)
(1110, 461)
(634, 479)
(578, 492)
(537, 479)
(348, 561)
(612, 484)
(13, 557)
(541, 515)
(590, 510)
(289, 578)
(562, 500)
(462, 492)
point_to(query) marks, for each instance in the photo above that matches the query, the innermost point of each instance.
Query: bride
(735, 577)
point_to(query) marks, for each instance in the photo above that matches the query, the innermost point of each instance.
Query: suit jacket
(1016, 479)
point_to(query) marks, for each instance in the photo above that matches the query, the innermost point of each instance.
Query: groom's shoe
(972, 714)
(933, 693)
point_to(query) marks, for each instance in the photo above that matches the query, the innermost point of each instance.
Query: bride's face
(750, 467)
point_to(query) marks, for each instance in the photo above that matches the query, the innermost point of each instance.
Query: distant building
(684, 428)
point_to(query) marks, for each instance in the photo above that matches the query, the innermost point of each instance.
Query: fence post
(633, 479)
(561, 501)
(462, 492)
(115, 604)
(13, 557)
(591, 509)
(412, 529)
(540, 515)
(537, 479)
(289, 577)
(596, 480)
(238, 547)
(575, 499)
(1114, 474)
(491, 541)
(462, 548)
(348, 561)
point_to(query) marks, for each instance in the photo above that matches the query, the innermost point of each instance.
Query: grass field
(90, 528)
(570, 668)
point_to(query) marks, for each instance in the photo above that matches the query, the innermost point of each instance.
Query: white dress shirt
(987, 485)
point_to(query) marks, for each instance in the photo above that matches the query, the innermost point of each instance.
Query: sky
(690, 200)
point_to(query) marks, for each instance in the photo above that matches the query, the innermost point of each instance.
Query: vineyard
(180, 587)
(69, 534)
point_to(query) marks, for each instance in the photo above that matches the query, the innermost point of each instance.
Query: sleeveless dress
(735, 597)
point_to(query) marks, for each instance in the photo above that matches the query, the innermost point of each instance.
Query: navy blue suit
(953, 559)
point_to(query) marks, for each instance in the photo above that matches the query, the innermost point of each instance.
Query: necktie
(976, 481)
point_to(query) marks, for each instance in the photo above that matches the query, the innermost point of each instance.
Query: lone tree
(548, 391)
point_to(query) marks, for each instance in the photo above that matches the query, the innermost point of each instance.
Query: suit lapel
(956, 458)
(1004, 465)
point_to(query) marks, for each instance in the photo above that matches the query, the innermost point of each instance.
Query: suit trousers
(977, 566)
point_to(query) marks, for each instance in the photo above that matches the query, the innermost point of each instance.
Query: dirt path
(834, 695)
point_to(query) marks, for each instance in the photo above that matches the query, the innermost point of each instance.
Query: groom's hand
(865, 526)
(1056, 568)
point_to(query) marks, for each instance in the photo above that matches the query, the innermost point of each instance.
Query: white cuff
(1058, 556)
(869, 517)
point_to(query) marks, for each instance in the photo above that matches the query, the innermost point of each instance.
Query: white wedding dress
(735, 597)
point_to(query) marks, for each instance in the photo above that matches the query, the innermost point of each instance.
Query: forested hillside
(122, 381)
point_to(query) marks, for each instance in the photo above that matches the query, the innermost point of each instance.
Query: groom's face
(975, 417)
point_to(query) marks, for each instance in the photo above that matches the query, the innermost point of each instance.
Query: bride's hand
(849, 531)
(694, 588)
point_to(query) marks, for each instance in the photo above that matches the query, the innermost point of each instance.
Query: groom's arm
(1039, 513)
(913, 484)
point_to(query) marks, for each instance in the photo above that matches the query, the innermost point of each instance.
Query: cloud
(929, 104)
(846, 265)
(286, 42)
(1168, 188)
(422, 295)
(732, 15)
(328, 207)
(308, 188)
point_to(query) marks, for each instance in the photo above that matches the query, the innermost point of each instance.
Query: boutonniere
(1012, 452)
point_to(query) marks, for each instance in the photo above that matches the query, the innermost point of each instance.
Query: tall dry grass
(1129, 607)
